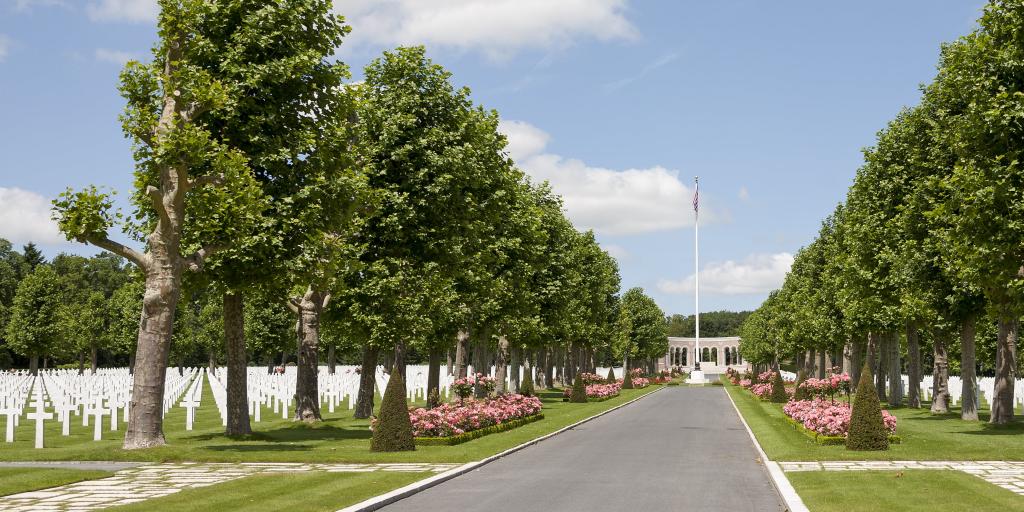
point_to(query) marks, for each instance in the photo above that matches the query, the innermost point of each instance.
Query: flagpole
(696, 267)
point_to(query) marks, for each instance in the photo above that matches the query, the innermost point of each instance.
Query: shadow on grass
(259, 447)
(293, 433)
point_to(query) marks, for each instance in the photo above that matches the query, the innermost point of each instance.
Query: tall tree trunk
(81, 362)
(895, 370)
(541, 359)
(145, 412)
(968, 371)
(284, 359)
(131, 363)
(367, 381)
(550, 357)
(821, 364)
(307, 391)
(883, 365)
(434, 377)
(479, 365)
(1002, 400)
(461, 354)
(399, 364)
(237, 386)
(940, 374)
(332, 359)
(501, 365)
(33, 364)
(872, 352)
(913, 366)
(856, 359)
(94, 359)
(514, 364)
(450, 361)
(211, 362)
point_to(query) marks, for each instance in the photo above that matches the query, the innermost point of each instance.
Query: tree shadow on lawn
(293, 433)
(259, 447)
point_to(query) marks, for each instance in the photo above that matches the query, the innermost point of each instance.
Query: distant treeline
(712, 324)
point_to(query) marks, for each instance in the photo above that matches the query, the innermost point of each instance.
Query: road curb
(778, 478)
(386, 499)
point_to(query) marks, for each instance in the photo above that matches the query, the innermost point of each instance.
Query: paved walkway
(1005, 474)
(676, 449)
(143, 482)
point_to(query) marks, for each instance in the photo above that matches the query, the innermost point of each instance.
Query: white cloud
(759, 273)
(123, 10)
(24, 5)
(25, 217)
(5, 47)
(497, 28)
(113, 56)
(616, 251)
(743, 194)
(612, 202)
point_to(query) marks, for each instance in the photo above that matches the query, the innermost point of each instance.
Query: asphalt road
(678, 449)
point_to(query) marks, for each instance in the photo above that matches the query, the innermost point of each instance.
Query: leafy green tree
(32, 327)
(646, 338)
(31, 257)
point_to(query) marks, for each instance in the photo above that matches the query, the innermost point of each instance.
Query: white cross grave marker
(40, 415)
(98, 411)
(190, 405)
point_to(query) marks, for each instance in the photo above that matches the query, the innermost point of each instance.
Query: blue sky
(619, 103)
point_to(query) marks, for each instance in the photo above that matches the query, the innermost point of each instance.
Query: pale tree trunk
(450, 362)
(940, 374)
(367, 381)
(872, 352)
(552, 359)
(237, 387)
(895, 373)
(913, 366)
(211, 362)
(968, 372)
(399, 364)
(856, 360)
(434, 376)
(514, 365)
(821, 364)
(332, 360)
(461, 354)
(541, 359)
(1002, 400)
(307, 395)
(501, 365)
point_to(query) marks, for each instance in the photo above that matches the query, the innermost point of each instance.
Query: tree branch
(293, 304)
(327, 300)
(200, 181)
(157, 198)
(139, 259)
(196, 261)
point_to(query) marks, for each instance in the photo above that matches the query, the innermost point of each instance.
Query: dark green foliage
(779, 395)
(712, 324)
(579, 391)
(526, 386)
(393, 432)
(801, 393)
(611, 376)
(867, 431)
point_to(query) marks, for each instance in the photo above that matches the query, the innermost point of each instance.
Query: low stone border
(386, 499)
(779, 480)
(478, 433)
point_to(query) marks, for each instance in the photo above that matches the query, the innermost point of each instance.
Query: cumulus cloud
(743, 194)
(616, 251)
(113, 56)
(5, 47)
(498, 28)
(25, 217)
(123, 10)
(612, 202)
(759, 273)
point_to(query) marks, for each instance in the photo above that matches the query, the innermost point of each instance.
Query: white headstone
(40, 415)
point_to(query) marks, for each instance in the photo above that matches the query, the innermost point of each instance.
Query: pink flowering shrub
(829, 386)
(746, 383)
(641, 382)
(460, 417)
(592, 378)
(599, 390)
(464, 387)
(828, 418)
(637, 372)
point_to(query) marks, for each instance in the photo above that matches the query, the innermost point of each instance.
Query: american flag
(696, 197)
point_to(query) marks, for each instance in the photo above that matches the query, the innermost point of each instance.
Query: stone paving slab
(1005, 474)
(140, 481)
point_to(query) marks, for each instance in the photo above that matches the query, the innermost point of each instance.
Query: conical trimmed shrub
(579, 391)
(526, 386)
(611, 376)
(867, 430)
(393, 432)
(627, 380)
(800, 392)
(779, 395)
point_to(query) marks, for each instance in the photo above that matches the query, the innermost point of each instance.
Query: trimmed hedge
(611, 376)
(829, 440)
(474, 434)
(779, 395)
(579, 391)
(526, 386)
(867, 429)
(801, 393)
(393, 432)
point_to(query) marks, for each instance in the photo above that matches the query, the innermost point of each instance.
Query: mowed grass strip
(17, 480)
(925, 436)
(339, 438)
(312, 491)
(921, 490)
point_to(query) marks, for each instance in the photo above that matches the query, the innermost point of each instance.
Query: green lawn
(905, 491)
(303, 492)
(339, 438)
(925, 436)
(15, 480)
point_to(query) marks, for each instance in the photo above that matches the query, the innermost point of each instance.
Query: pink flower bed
(460, 417)
(641, 382)
(592, 378)
(829, 386)
(828, 418)
(599, 390)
